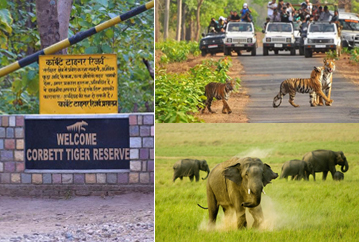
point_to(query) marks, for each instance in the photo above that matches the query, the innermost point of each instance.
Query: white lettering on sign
(76, 139)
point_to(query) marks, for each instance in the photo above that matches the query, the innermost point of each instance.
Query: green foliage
(179, 96)
(131, 40)
(293, 210)
(174, 51)
(354, 55)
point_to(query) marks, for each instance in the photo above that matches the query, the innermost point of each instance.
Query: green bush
(180, 96)
(174, 51)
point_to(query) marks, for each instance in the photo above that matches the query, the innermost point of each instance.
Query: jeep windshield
(280, 27)
(239, 27)
(321, 28)
(349, 24)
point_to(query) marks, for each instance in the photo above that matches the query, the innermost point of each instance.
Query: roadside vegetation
(179, 96)
(293, 210)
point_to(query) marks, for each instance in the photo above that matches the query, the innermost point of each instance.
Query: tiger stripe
(312, 85)
(220, 91)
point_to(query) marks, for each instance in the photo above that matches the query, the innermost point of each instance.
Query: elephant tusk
(249, 191)
(264, 192)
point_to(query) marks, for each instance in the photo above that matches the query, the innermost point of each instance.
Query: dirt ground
(347, 68)
(237, 100)
(26, 217)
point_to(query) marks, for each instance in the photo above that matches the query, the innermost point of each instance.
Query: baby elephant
(338, 176)
(296, 169)
(190, 168)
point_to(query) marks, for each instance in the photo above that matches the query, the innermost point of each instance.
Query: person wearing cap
(271, 6)
(246, 13)
(284, 17)
(326, 15)
(221, 25)
(276, 16)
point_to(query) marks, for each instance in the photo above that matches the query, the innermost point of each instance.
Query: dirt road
(262, 75)
(128, 217)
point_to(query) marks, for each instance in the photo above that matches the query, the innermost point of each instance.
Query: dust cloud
(274, 219)
(255, 152)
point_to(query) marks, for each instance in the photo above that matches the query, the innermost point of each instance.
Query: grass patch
(294, 211)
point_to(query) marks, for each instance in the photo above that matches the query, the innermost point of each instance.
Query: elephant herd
(238, 183)
(316, 161)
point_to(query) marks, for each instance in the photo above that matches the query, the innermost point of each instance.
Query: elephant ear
(233, 173)
(268, 175)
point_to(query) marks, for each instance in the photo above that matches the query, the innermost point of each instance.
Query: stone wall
(15, 180)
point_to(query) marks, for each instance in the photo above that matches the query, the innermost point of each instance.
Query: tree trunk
(157, 21)
(179, 20)
(183, 35)
(53, 21)
(166, 20)
(198, 19)
(64, 11)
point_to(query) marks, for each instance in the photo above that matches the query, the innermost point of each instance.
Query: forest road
(262, 76)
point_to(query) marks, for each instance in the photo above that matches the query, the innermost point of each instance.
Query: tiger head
(329, 65)
(317, 73)
(230, 84)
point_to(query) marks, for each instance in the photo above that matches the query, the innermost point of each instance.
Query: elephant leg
(174, 177)
(325, 173)
(313, 175)
(257, 214)
(181, 177)
(241, 219)
(293, 178)
(212, 208)
(197, 177)
(191, 178)
(333, 173)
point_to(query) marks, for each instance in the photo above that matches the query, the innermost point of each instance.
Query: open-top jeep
(211, 43)
(279, 36)
(240, 36)
(350, 29)
(322, 37)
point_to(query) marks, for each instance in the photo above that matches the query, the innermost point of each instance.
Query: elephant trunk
(345, 167)
(253, 197)
(207, 175)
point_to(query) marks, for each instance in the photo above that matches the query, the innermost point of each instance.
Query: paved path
(262, 76)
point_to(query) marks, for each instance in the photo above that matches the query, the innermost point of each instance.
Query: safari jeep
(322, 37)
(279, 36)
(350, 29)
(240, 36)
(211, 43)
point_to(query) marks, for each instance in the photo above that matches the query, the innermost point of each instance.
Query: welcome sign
(77, 143)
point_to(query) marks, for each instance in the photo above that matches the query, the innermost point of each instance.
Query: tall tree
(157, 20)
(198, 18)
(166, 20)
(53, 21)
(179, 20)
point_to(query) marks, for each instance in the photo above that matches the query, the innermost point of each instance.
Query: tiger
(220, 91)
(312, 85)
(327, 80)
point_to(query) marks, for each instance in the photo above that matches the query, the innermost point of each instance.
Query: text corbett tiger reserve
(66, 151)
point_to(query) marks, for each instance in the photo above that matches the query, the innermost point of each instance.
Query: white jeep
(279, 36)
(350, 29)
(240, 36)
(322, 37)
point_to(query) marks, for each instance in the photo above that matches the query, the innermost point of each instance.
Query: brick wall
(16, 181)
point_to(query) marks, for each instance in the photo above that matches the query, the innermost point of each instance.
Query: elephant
(298, 169)
(190, 168)
(325, 161)
(235, 185)
(338, 176)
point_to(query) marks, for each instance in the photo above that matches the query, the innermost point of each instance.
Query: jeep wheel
(254, 51)
(226, 51)
(301, 50)
(204, 53)
(276, 52)
(307, 53)
(292, 51)
(265, 51)
(239, 53)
